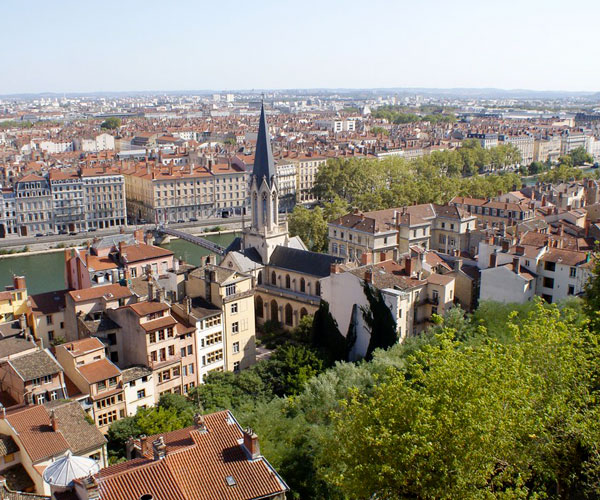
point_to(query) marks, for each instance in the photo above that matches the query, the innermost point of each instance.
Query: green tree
(111, 123)
(159, 419)
(379, 319)
(310, 226)
(579, 156)
(118, 434)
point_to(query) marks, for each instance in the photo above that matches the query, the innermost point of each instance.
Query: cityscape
(320, 275)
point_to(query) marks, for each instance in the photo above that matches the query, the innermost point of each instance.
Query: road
(81, 238)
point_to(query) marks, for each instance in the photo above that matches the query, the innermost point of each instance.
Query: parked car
(180, 221)
(62, 231)
(92, 229)
(193, 219)
(38, 235)
(73, 233)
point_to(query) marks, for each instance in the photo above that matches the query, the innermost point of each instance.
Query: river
(45, 272)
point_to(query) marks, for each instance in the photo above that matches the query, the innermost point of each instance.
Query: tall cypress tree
(380, 321)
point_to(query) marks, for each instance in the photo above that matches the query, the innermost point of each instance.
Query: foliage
(519, 420)
(231, 141)
(58, 341)
(310, 226)
(562, 173)
(326, 336)
(579, 156)
(379, 320)
(436, 178)
(380, 130)
(591, 297)
(111, 123)
(399, 115)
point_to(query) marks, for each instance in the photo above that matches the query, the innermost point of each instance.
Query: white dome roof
(70, 467)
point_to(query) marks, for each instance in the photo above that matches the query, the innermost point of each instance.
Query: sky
(135, 45)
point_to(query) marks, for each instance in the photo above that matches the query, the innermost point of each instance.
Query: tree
(520, 420)
(579, 156)
(379, 319)
(334, 209)
(111, 123)
(118, 434)
(326, 336)
(159, 419)
(310, 226)
(291, 366)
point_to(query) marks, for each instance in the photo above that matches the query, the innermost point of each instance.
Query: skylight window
(230, 481)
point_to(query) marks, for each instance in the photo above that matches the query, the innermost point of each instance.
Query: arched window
(255, 210)
(274, 311)
(273, 278)
(265, 208)
(288, 283)
(274, 208)
(302, 285)
(259, 278)
(318, 288)
(289, 315)
(259, 307)
(303, 312)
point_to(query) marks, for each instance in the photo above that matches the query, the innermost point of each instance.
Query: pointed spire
(264, 165)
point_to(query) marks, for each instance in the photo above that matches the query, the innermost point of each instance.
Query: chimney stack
(369, 276)
(516, 264)
(159, 448)
(493, 259)
(19, 282)
(334, 268)
(408, 266)
(366, 258)
(54, 421)
(251, 444)
(143, 444)
(200, 423)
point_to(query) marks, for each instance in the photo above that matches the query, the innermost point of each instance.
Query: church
(287, 275)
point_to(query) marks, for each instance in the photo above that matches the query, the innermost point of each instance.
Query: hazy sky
(109, 45)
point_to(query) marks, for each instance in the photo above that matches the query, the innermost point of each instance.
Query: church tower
(266, 231)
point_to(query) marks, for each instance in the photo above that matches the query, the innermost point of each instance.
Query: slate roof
(14, 345)
(196, 467)
(135, 373)
(34, 365)
(264, 166)
(78, 432)
(303, 261)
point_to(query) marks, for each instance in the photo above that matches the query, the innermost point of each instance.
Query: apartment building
(387, 234)
(411, 294)
(46, 316)
(514, 270)
(232, 292)
(43, 435)
(68, 206)
(210, 338)
(33, 205)
(151, 336)
(31, 377)
(547, 148)
(96, 377)
(189, 192)
(8, 213)
(307, 167)
(13, 300)
(496, 212)
(104, 198)
(487, 140)
(524, 143)
(138, 385)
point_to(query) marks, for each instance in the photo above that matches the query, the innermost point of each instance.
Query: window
(50, 335)
(273, 278)
(236, 366)
(434, 310)
(152, 337)
(101, 385)
(288, 281)
(289, 315)
(236, 347)
(141, 393)
(171, 350)
(571, 290)
(234, 308)
(235, 327)
(548, 283)
(302, 285)
(229, 290)
(572, 272)
(550, 266)
(49, 319)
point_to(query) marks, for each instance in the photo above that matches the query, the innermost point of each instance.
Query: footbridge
(196, 240)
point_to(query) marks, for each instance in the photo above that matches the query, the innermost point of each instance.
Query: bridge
(196, 240)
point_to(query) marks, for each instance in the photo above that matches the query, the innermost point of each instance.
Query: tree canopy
(111, 123)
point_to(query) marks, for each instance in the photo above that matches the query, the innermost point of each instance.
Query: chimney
(19, 282)
(516, 264)
(151, 289)
(200, 423)
(408, 266)
(251, 443)
(143, 444)
(369, 276)
(334, 268)
(188, 305)
(138, 235)
(505, 245)
(175, 264)
(54, 421)
(520, 250)
(458, 264)
(366, 258)
(159, 448)
(493, 259)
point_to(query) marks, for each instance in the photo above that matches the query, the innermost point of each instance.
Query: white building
(139, 388)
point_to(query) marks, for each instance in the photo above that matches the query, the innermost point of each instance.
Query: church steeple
(264, 165)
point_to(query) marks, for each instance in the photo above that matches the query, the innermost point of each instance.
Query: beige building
(232, 292)
(96, 377)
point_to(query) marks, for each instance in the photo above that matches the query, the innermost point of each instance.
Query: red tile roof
(110, 292)
(196, 467)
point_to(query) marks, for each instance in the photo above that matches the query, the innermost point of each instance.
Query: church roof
(303, 261)
(264, 165)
